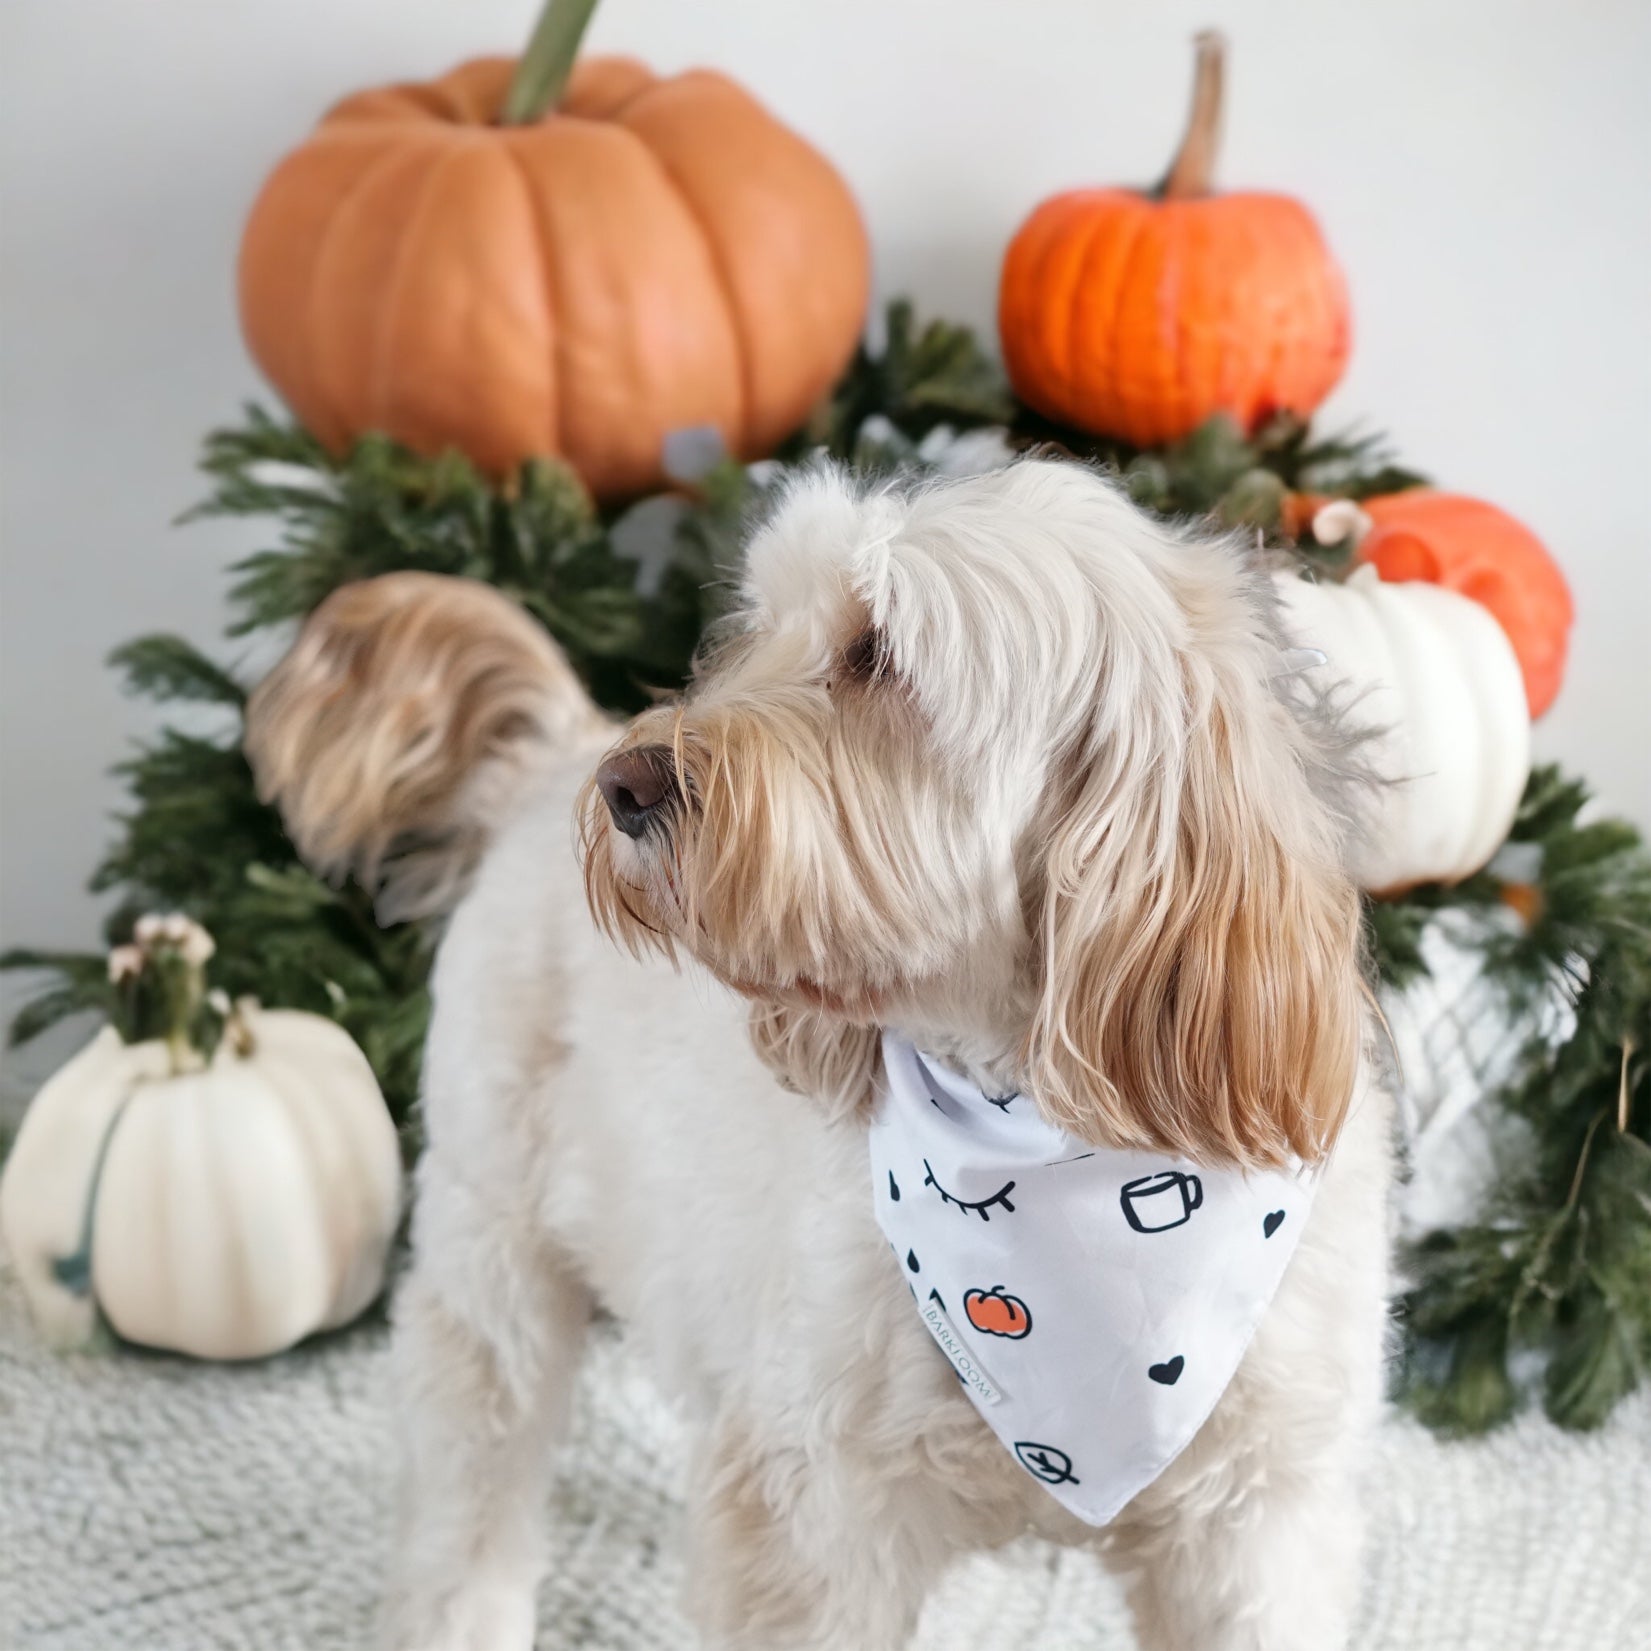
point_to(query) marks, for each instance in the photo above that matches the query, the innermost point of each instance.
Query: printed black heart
(1168, 1374)
(912, 1261)
(1272, 1223)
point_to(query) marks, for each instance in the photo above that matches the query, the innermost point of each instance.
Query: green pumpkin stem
(1191, 172)
(158, 993)
(546, 64)
(182, 992)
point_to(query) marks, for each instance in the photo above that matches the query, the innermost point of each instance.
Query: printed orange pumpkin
(1472, 547)
(1140, 315)
(652, 254)
(997, 1314)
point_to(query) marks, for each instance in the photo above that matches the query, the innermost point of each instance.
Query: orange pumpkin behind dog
(1139, 315)
(651, 255)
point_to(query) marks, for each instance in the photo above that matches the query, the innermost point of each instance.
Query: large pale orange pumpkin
(1140, 315)
(1473, 547)
(653, 254)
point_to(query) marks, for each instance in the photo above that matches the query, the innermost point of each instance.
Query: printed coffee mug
(1155, 1203)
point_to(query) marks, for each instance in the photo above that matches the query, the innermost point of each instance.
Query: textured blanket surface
(152, 1504)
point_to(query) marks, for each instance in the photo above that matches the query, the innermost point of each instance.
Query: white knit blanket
(152, 1504)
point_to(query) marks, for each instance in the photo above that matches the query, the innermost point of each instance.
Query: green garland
(1558, 1262)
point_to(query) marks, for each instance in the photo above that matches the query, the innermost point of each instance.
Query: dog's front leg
(489, 1329)
(816, 1550)
(1277, 1571)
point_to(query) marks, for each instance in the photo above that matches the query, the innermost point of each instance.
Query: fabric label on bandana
(1094, 1303)
(951, 1344)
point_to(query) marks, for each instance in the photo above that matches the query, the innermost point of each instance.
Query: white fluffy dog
(1000, 763)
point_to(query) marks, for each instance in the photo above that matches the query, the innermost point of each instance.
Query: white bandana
(1095, 1303)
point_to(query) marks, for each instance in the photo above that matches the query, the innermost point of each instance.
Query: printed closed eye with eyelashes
(972, 1206)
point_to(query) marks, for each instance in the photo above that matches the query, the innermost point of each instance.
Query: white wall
(1483, 168)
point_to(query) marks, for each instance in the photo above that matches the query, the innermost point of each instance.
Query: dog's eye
(865, 658)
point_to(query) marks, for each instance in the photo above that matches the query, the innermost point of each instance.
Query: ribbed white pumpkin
(226, 1212)
(1438, 676)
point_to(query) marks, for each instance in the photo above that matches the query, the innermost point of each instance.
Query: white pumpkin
(225, 1212)
(1437, 676)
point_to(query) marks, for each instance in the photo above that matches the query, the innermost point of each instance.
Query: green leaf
(43, 1011)
(1253, 500)
(1596, 1362)
(167, 667)
(1477, 1393)
(1216, 453)
(295, 890)
(80, 966)
(76, 982)
(924, 377)
(1394, 930)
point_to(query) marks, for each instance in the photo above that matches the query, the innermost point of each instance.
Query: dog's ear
(832, 1061)
(1199, 952)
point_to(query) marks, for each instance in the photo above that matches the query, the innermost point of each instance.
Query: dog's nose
(634, 783)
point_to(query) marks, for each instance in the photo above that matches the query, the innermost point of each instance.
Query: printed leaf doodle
(1045, 1462)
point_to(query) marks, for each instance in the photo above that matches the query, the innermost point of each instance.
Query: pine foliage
(1558, 1263)
(195, 838)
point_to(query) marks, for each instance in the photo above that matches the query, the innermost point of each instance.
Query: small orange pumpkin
(650, 255)
(1140, 315)
(997, 1313)
(1472, 547)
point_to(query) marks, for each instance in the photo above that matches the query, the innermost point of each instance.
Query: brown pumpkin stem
(1192, 169)
(545, 65)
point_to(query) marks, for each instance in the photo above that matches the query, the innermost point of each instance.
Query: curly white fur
(1002, 763)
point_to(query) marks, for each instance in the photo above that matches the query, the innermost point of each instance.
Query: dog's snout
(634, 783)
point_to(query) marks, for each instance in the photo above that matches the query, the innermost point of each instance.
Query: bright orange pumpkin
(653, 254)
(1473, 547)
(998, 1313)
(1140, 315)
